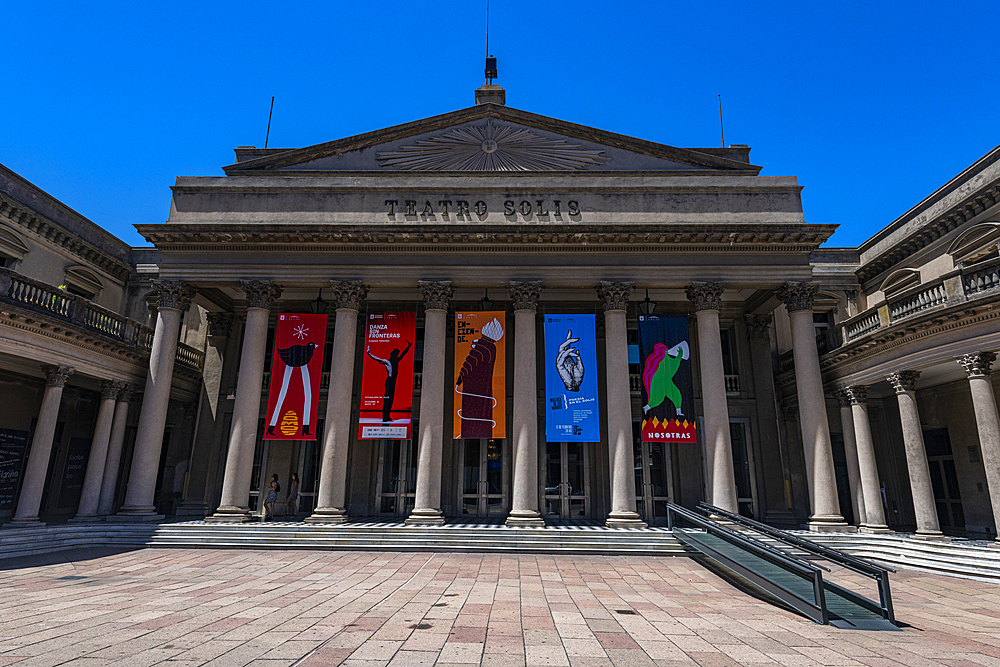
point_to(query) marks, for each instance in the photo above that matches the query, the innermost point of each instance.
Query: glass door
(565, 477)
(484, 484)
(308, 464)
(397, 477)
(653, 480)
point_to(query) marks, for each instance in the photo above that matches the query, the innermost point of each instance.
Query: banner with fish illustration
(667, 388)
(480, 375)
(572, 411)
(293, 402)
(387, 377)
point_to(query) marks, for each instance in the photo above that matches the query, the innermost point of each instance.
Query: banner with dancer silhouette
(667, 389)
(480, 375)
(387, 377)
(572, 412)
(296, 367)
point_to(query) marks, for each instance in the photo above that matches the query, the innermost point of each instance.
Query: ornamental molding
(260, 293)
(797, 296)
(56, 376)
(437, 294)
(175, 294)
(524, 294)
(758, 326)
(705, 296)
(903, 381)
(219, 324)
(977, 364)
(110, 388)
(348, 294)
(614, 294)
(490, 146)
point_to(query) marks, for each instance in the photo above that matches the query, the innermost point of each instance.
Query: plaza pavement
(179, 607)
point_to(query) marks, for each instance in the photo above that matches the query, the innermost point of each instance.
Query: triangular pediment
(490, 139)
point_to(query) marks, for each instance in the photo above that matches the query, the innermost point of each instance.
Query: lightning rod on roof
(268, 135)
(721, 132)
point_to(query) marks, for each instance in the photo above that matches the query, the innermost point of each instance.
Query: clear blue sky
(871, 105)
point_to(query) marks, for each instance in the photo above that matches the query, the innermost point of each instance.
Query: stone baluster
(977, 367)
(94, 477)
(112, 462)
(867, 468)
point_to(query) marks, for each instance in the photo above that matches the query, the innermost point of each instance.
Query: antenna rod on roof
(268, 135)
(487, 28)
(720, 123)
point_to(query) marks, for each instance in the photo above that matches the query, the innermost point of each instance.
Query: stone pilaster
(977, 367)
(524, 500)
(758, 327)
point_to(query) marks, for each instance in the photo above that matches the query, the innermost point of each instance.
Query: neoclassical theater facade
(834, 388)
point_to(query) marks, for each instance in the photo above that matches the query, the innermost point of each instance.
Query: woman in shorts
(293, 496)
(272, 496)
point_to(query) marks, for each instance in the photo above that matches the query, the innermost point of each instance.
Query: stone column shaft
(851, 455)
(524, 502)
(867, 467)
(427, 498)
(977, 366)
(106, 502)
(94, 477)
(29, 502)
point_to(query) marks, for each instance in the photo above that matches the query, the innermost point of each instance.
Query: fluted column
(106, 503)
(33, 485)
(174, 298)
(261, 295)
(331, 503)
(427, 500)
(707, 298)
(524, 502)
(798, 300)
(867, 468)
(615, 297)
(977, 366)
(904, 382)
(851, 455)
(94, 477)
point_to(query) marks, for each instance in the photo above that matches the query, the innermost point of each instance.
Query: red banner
(293, 402)
(387, 377)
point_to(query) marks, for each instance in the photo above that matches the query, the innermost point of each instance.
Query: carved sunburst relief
(490, 147)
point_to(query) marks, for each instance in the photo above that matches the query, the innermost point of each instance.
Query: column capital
(260, 293)
(903, 381)
(758, 326)
(219, 324)
(348, 294)
(437, 293)
(126, 392)
(524, 294)
(614, 294)
(797, 296)
(56, 376)
(110, 388)
(705, 296)
(175, 294)
(977, 364)
(856, 395)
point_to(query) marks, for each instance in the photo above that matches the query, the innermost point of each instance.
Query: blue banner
(572, 413)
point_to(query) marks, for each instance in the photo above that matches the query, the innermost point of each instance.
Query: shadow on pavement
(62, 557)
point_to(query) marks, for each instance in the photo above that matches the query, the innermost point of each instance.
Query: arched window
(12, 248)
(81, 281)
(977, 244)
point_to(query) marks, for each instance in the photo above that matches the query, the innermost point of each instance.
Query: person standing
(272, 497)
(293, 496)
(392, 371)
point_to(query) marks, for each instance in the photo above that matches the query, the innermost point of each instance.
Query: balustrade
(981, 277)
(917, 300)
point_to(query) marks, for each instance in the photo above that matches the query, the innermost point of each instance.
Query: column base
(86, 519)
(829, 523)
(524, 519)
(232, 514)
(425, 517)
(198, 508)
(328, 515)
(30, 522)
(136, 518)
(995, 544)
(625, 520)
(931, 536)
(876, 530)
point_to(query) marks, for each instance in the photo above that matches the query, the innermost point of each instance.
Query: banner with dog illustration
(480, 375)
(387, 377)
(293, 402)
(572, 411)
(668, 391)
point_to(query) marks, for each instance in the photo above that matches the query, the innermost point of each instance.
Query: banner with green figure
(665, 351)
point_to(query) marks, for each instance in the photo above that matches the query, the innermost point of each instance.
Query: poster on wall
(480, 375)
(13, 452)
(296, 367)
(668, 392)
(572, 413)
(387, 377)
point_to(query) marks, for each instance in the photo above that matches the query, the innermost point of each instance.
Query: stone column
(798, 300)
(203, 448)
(977, 366)
(331, 497)
(524, 503)
(106, 503)
(904, 382)
(30, 499)
(174, 298)
(707, 298)
(427, 501)
(261, 295)
(615, 297)
(851, 454)
(867, 468)
(94, 477)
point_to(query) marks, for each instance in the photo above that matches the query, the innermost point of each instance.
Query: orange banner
(480, 375)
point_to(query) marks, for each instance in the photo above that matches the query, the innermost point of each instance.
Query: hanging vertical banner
(387, 377)
(292, 403)
(668, 412)
(480, 368)
(572, 413)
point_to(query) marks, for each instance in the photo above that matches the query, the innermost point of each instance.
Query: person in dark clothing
(392, 370)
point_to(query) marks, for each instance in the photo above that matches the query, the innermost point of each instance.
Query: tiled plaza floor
(226, 607)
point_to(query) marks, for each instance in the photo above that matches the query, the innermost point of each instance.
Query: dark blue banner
(571, 413)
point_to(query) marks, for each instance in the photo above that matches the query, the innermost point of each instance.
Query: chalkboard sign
(13, 452)
(73, 472)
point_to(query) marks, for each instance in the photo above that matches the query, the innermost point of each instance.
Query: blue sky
(871, 105)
